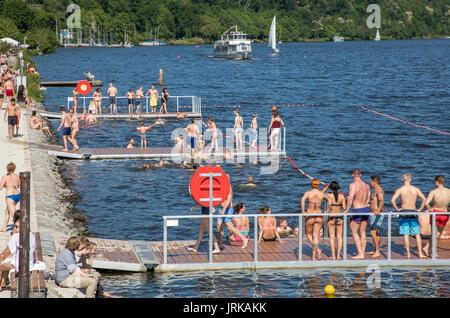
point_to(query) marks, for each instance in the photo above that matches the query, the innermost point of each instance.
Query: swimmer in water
(145, 166)
(250, 182)
(131, 143)
(159, 121)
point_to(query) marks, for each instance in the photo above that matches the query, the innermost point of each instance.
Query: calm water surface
(405, 79)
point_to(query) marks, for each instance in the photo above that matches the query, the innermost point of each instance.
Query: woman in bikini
(98, 100)
(164, 99)
(336, 202)
(75, 128)
(75, 99)
(241, 223)
(11, 182)
(83, 115)
(267, 226)
(313, 224)
(275, 128)
(213, 128)
(238, 129)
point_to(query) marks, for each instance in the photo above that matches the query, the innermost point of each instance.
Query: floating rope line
(404, 121)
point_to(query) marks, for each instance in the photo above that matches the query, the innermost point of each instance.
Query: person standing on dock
(358, 199)
(238, 130)
(275, 128)
(130, 95)
(164, 99)
(409, 224)
(11, 183)
(97, 96)
(75, 127)
(143, 132)
(112, 92)
(254, 128)
(11, 112)
(9, 90)
(75, 99)
(153, 98)
(204, 227)
(66, 124)
(139, 95)
(193, 133)
(441, 199)
(376, 220)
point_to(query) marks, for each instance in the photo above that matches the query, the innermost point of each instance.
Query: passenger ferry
(233, 45)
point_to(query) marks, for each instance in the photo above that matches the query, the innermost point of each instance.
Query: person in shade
(409, 224)
(11, 183)
(376, 219)
(358, 199)
(336, 203)
(441, 199)
(204, 227)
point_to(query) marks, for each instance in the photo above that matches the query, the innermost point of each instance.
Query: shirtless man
(153, 98)
(131, 143)
(227, 209)
(441, 199)
(11, 112)
(376, 219)
(143, 132)
(130, 95)
(284, 229)
(90, 118)
(67, 131)
(193, 132)
(11, 182)
(112, 92)
(9, 90)
(409, 224)
(139, 95)
(358, 198)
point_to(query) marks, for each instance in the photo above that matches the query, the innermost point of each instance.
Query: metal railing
(300, 217)
(195, 103)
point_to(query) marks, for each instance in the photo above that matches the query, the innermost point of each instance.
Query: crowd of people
(363, 205)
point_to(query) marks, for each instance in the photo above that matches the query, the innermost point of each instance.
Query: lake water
(327, 138)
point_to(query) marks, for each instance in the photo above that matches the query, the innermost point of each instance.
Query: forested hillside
(205, 20)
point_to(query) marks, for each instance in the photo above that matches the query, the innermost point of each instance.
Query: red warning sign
(83, 87)
(199, 186)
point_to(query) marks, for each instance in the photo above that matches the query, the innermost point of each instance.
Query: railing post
(300, 237)
(177, 103)
(284, 139)
(255, 256)
(389, 236)
(146, 104)
(433, 235)
(165, 240)
(84, 102)
(344, 256)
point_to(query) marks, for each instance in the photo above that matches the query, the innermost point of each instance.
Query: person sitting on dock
(90, 118)
(358, 199)
(283, 228)
(143, 132)
(153, 98)
(112, 92)
(92, 108)
(66, 270)
(67, 131)
(38, 123)
(130, 95)
(180, 115)
(204, 227)
(240, 222)
(131, 143)
(441, 199)
(89, 76)
(267, 226)
(409, 224)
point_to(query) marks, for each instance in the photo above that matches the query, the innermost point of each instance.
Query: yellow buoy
(329, 290)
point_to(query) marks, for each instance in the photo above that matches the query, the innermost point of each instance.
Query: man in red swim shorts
(441, 198)
(9, 90)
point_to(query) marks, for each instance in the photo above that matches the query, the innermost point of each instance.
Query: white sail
(377, 37)
(272, 36)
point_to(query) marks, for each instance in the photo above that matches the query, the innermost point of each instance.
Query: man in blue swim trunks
(359, 199)
(227, 209)
(67, 131)
(376, 219)
(193, 132)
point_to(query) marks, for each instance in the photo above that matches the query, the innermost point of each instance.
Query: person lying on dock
(131, 143)
(143, 130)
(90, 118)
(38, 123)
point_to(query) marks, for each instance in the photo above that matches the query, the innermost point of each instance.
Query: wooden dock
(125, 116)
(139, 256)
(94, 83)
(161, 153)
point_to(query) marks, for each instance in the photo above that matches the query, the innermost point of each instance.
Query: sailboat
(272, 37)
(377, 37)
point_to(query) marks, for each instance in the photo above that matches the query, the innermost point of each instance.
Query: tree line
(206, 20)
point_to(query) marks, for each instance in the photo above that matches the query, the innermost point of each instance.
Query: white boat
(272, 36)
(338, 39)
(377, 37)
(233, 45)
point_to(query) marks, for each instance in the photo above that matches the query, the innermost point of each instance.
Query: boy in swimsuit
(376, 220)
(441, 199)
(11, 182)
(143, 130)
